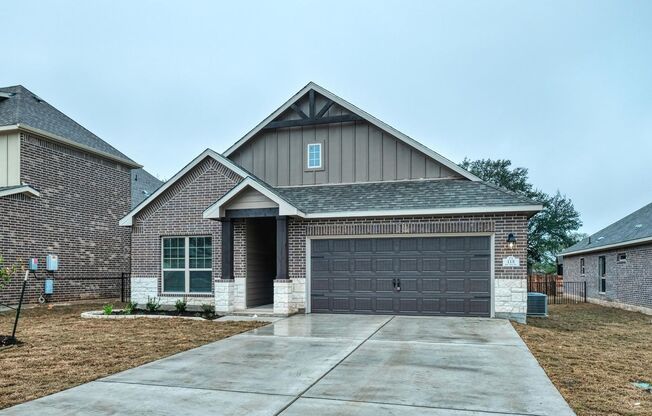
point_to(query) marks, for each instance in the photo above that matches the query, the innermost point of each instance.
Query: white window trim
(321, 156)
(618, 260)
(187, 269)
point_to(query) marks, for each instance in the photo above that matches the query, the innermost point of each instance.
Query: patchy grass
(593, 354)
(60, 350)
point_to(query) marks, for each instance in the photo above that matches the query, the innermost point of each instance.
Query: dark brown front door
(411, 276)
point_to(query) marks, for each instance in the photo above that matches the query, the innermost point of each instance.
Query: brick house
(616, 263)
(324, 208)
(62, 191)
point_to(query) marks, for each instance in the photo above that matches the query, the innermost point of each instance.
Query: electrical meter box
(52, 262)
(49, 287)
(32, 265)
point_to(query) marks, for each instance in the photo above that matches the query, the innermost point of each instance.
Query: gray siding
(353, 152)
(261, 261)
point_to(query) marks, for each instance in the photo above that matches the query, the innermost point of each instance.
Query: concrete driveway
(331, 365)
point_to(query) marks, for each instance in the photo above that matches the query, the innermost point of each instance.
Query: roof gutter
(608, 246)
(59, 139)
(427, 211)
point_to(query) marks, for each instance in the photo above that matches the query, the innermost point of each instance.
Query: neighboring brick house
(324, 208)
(616, 263)
(62, 191)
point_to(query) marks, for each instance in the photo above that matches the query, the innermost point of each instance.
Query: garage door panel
(362, 265)
(479, 264)
(364, 304)
(431, 306)
(409, 285)
(437, 276)
(455, 264)
(479, 306)
(455, 285)
(408, 305)
(384, 285)
(479, 286)
(385, 305)
(384, 265)
(430, 285)
(341, 284)
(455, 306)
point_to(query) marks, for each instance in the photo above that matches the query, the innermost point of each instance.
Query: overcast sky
(561, 88)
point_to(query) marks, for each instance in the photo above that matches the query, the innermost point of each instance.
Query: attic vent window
(622, 257)
(314, 156)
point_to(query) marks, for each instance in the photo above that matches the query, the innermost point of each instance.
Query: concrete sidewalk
(331, 365)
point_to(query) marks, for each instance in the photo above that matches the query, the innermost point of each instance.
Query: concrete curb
(100, 315)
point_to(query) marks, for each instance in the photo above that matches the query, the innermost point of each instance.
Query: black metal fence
(105, 285)
(558, 292)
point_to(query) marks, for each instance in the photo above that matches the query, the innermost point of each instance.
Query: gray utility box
(537, 304)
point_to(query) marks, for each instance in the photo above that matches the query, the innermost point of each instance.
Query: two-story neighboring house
(616, 263)
(324, 208)
(62, 192)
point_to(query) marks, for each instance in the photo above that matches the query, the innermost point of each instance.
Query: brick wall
(76, 217)
(510, 292)
(628, 282)
(500, 224)
(178, 212)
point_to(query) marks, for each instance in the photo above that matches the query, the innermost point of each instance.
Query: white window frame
(321, 156)
(186, 262)
(623, 260)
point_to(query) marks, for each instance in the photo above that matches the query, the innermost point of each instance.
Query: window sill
(189, 295)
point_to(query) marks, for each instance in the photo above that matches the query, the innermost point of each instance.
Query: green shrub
(108, 309)
(180, 305)
(207, 311)
(153, 304)
(129, 308)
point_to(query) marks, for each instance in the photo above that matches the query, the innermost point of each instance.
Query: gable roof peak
(358, 113)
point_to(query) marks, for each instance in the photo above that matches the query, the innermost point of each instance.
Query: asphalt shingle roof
(635, 226)
(401, 195)
(143, 184)
(24, 107)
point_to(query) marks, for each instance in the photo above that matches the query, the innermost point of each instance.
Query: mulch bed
(58, 349)
(594, 355)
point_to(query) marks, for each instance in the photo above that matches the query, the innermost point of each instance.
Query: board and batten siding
(251, 199)
(351, 151)
(9, 159)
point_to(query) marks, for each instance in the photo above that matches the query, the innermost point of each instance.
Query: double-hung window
(314, 156)
(187, 264)
(602, 274)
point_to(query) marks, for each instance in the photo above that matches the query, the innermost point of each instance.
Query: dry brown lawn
(593, 354)
(61, 350)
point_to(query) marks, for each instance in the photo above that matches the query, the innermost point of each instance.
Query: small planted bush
(207, 311)
(180, 305)
(129, 308)
(108, 309)
(153, 304)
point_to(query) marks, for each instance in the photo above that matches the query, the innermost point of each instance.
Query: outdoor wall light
(511, 241)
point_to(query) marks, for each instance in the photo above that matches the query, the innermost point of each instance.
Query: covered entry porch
(254, 254)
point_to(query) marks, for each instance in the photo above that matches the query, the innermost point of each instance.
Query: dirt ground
(60, 350)
(593, 354)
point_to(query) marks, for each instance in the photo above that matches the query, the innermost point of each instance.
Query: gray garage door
(411, 276)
